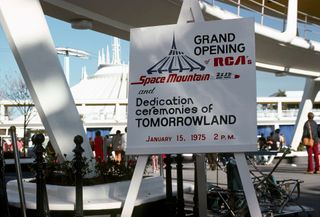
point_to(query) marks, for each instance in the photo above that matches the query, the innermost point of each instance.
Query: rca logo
(231, 61)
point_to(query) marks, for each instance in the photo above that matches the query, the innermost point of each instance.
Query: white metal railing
(272, 114)
(290, 113)
(306, 29)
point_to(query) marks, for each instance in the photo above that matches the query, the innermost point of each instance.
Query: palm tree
(280, 93)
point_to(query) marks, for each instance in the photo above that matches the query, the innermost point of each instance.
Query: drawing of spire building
(176, 61)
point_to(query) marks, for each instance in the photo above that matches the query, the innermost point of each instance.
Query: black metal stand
(180, 198)
(170, 202)
(42, 197)
(4, 206)
(78, 165)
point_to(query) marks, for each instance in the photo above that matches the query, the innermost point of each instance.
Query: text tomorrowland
(181, 121)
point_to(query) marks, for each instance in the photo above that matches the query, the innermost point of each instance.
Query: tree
(16, 90)
(281, 93)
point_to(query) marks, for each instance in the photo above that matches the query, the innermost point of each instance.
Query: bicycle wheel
(217, 201)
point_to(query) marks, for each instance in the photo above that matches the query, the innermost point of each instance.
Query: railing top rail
(279, 11)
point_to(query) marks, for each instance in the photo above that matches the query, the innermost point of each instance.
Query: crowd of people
(7, 146)
(276, 141)
(109, 147)
(273, 143)
(113, 147)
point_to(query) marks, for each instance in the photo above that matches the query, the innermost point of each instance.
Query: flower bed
(63, 173)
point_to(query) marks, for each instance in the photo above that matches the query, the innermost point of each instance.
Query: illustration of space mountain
(176, 61)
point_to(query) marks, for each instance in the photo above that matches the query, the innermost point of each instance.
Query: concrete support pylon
(310, 92)
(30, 40)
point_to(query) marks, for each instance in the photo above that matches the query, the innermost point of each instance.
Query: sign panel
(192, 88)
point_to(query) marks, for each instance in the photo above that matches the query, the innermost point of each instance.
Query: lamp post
(67, 52)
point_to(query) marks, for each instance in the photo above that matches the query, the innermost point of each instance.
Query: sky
(90, 41)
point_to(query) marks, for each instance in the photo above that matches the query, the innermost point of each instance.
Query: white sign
(192, 88)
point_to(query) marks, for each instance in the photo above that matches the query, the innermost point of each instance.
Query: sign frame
(186, 102)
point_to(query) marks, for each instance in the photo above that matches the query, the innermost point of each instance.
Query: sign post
(134, 186)
(192, 89)
(247, 184)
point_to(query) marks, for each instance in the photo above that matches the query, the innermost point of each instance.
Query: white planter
(95, 197)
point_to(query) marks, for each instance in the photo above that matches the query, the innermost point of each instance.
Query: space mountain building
(101, 98)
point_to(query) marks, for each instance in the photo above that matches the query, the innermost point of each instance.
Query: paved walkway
(310, 188)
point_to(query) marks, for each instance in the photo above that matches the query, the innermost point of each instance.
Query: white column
(292, 19)
(28, 34)
(116, 111)
(310, 92)
(279, 105)
(2, 112)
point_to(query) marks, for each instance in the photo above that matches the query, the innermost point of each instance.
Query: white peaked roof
(109, 82)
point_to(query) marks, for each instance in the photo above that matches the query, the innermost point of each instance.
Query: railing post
(4, 206)
(262, 12)
(78, 165)
(13, 135)
(169, 195)
(42, 197)
(180, 198)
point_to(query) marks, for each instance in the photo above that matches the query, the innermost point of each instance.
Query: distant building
(281, 113)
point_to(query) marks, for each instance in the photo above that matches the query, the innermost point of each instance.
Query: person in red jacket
(98, 146)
